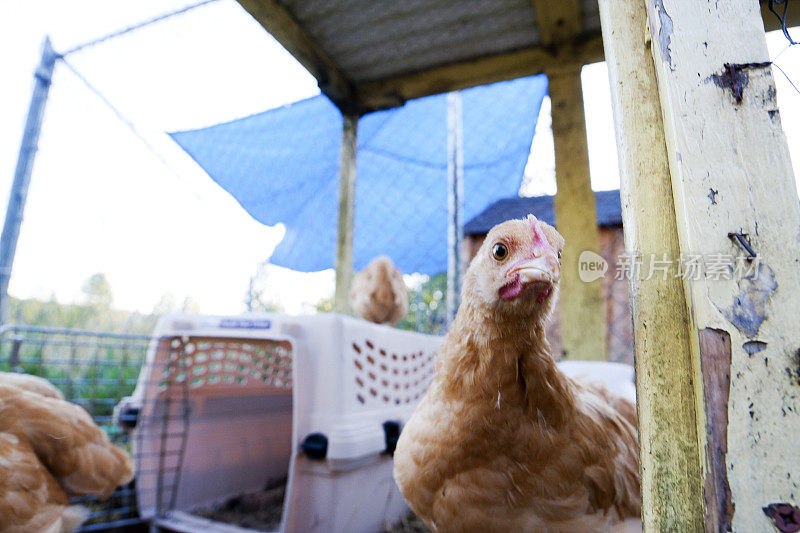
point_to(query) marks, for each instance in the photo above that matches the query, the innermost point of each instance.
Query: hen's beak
(540, 269)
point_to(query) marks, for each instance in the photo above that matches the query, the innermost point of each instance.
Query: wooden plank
(396, 91)
(715, 366)
(347, 193)
(287, 31)
(731, 173)
(669, 453)
(583, 328)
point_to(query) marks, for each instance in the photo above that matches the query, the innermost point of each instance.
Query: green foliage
(325, 305)
(97, 290)
(427, 312)
(96, 311)
(98, 317)
(95, 374)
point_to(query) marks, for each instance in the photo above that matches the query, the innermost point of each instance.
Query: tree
(97, 291)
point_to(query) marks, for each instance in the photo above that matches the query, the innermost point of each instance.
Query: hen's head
(517, 268)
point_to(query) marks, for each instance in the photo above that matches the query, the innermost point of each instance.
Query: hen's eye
(500, 251)
(559, 255)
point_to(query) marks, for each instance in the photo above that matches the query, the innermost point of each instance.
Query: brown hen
(379, 294)
(50, 449)
(503, 441)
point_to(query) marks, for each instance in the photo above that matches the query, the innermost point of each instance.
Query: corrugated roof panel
(413, 53)
(370, 40)
(389, 28)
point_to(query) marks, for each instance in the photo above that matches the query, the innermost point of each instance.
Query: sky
(101, 200)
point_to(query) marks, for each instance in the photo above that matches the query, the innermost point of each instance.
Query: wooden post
(347, 190)
(735, 197)
(670, 461)
(583, 328)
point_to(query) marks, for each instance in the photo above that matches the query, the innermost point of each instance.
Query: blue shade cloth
(282, 166)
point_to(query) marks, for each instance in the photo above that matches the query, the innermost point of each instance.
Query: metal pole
(455, 201)
(22, 174)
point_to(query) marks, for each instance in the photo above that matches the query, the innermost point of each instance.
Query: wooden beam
(669, 453)
(558, 21)
(731, 174)
(347, 193)
(583, 330)
(287, 31)
(392, 92)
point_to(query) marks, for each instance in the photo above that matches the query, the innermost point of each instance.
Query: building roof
(609, 211)
(369, 55)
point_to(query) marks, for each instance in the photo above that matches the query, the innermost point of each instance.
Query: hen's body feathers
(503, 441)
(31, 384)
(51, 449)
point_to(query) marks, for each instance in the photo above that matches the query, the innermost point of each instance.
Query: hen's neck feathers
(507, 357)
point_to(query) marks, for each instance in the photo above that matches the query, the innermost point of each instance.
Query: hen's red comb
(540, 242)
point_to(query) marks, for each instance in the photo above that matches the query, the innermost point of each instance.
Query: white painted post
(455, 201)
(731, 174)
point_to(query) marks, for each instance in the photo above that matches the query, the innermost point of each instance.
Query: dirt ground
(262, 511)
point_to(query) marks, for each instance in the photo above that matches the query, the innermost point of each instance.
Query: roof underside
(371, 41)
(369, 55)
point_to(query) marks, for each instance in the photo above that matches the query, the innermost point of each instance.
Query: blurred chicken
(503, 440)
(50, 449)
(379, 294)
(31, 383)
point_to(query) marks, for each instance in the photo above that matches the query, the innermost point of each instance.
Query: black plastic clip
(315, 446)
(391, 430)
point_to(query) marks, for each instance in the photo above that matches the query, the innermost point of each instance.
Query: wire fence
(94, 370)
(428, 292)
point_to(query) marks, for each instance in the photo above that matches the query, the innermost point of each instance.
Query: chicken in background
(50, 449)
(503, 440)
(378, 293)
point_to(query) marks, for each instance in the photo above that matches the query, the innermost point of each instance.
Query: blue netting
(282, 166)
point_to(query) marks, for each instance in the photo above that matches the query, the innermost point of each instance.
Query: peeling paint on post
(719, 113)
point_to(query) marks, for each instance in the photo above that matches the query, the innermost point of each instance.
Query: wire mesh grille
(182, 387)
(94, 370)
